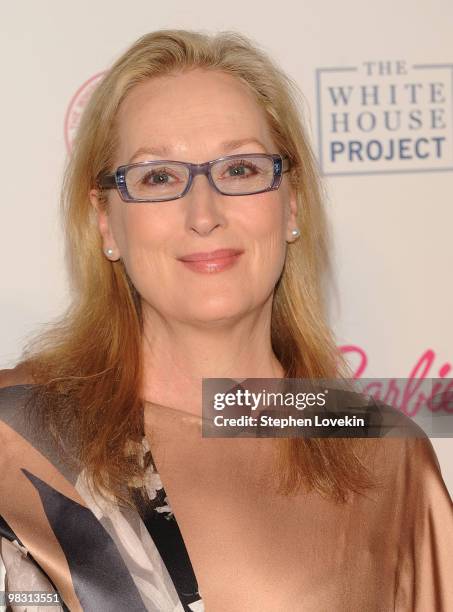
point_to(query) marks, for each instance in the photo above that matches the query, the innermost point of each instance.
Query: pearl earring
(109, 252)
(295, 232)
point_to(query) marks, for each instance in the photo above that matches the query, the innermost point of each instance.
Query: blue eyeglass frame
(117, 179)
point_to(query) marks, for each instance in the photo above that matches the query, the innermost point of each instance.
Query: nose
(203, 206)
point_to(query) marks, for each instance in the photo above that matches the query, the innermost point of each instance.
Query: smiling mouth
(215, 261)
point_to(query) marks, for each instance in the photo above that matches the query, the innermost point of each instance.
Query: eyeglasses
(164, 180)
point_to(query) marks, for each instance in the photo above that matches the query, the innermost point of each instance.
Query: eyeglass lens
(245, 175)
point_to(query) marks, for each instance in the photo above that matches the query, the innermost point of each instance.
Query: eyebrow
(227, 145)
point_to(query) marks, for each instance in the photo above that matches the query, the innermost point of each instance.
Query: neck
(178, 355)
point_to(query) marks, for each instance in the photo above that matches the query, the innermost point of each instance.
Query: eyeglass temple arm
(286, 165)
(107, 181)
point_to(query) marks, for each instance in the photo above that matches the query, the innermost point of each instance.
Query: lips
(211, 262)
(210, 255)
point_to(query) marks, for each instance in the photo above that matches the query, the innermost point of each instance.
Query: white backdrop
(377, 82)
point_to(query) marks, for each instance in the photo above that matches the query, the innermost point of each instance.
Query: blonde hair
(88, 366)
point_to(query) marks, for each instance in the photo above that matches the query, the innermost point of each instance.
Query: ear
(291, 215)
(109, 245)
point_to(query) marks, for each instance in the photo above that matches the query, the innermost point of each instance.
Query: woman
(241, 524)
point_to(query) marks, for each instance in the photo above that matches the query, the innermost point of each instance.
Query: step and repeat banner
(376, 86)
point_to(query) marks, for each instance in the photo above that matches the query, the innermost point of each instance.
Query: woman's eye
(156, 178)
(240, 169)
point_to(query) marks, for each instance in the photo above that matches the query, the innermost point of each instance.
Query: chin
(217, 311)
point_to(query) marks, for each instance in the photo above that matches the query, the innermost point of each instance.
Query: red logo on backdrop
(76, 106)
(410, 399)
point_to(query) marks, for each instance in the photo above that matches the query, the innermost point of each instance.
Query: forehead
(190, 114)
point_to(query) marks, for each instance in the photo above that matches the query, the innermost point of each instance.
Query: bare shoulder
(11, 377)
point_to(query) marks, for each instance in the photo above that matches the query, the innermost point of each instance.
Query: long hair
(88, 366)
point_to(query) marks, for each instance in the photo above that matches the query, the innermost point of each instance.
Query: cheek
(142, 239)
(266, 230)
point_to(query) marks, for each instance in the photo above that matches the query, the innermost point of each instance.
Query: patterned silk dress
(57, 540)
